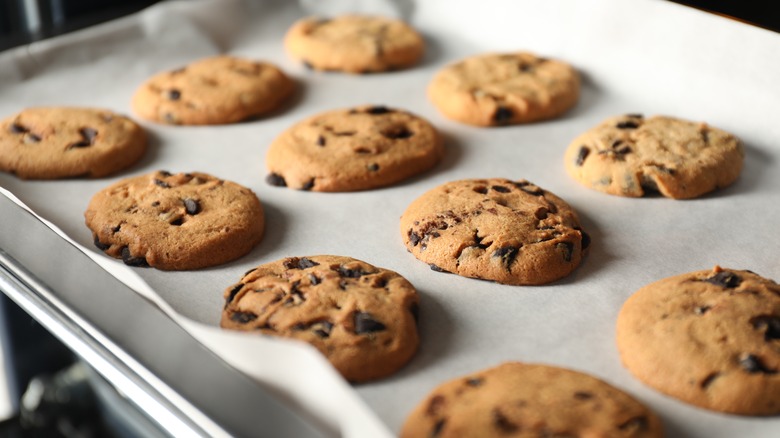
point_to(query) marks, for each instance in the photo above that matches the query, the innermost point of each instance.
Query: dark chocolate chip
(365, 323)
(234, 292)
(582, 155)
(191, 206)
(304, 263)
(502, 423)
(162, 183)
(481, 189)
(414, 238)
(313, 279)
(243, 317)
(177, 222)
(437, 427)
(173, 94)
(89, 134)
(541, 213)
(373, 167)
(324, 329)
(436, 268)
(507, 255)
(629, 124)
(308, 185)
(414, 309)
(156, 204)
(132, 261)
(375, 110)
(116, 228)
(725, 279)
(567, 248)
(701, 310)
(582, 395)
(585, 239)
(320, 141)
(100, 245)
(500, 189)
(33, 138)
(752, 364)
(770, 323)
(634, 423)
(81, 144)
(276, 180)
(474, 381)
(397, 132)
(291, 263)
(502, 115)
(531, 190)
(17, 129)
(351, 273)
(164, 173)
(708, 380)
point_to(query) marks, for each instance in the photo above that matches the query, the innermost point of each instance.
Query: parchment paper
(642, 56)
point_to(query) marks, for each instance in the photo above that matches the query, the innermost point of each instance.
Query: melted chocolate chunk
(177, 222)
(629, 124)
(414, 238)
(770, 323)
(100, 245)
(500, 189)
(507, 255)
(752, 364)
(233, 293)
(502, 115)
(276, 180)
(375, 110)
(365, 323)
(567, 248)
(243, 317)
(304, 263)
(582, 155)
(725, 279)
(191, 206)
(129, 260)
(173, 94)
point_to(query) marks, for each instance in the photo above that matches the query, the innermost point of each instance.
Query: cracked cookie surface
(175, 221)
(362, 318)
(66, 142)
(353, 149)
(212, 91)
(505, 89)
(511, 232)
(354, 44)
(710, 338)
(529, 400)
(632, 156)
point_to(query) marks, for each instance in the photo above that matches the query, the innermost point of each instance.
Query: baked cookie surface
(504, 89)
(175, 221)
(354, 43)
(362, 318)
(64, 142)
(511, 232)
(632, 155)
(529, 400)
(710, 338)
(212, 91)
(353, 149)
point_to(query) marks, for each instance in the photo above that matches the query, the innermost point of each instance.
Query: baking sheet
(642, 56)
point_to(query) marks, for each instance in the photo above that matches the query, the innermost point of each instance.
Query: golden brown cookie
(362, 318)
(710, 338)
(353, 149)
(213, 91)
(62, 142)
(512, 232)
(529, 401)
(175, 221)
(354, 44)
(505, 89)
(632, 156)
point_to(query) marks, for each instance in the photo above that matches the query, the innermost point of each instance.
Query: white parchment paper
(642, 56)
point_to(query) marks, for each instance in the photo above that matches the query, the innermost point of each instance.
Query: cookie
(353, 149)
(213, 91)
(709, 338)
(175, 221)
(505, 89)
(512, 232)
(632, 156)
(530, 400)
(354, 44)
(62, 142)
(362, 318)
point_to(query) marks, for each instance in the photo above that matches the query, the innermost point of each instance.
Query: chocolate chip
(630, 124)
(567, 248)
(436, 268)
(585, 239)
(502, 115)
(320, 141)
(308, 185)
(770, 323)
(116, 228)
(474, 381)
(375, 110)
(708, 380)
(275, 179)
(173, 94)
(582, 155)
(701, 310)
(132, 261)
(500, 189)
(414, 309)
(397, 132)
(635, 423)
(32, 138)
(156, 204)
(89, 134)
(541, 213)
(164, 173)
(17, 129)
(365, 323)
(507, 255)
(313, 279)
(529, 188)
(725, 279)
(481, 189)
(373, 167)
(437, 428)
(582, 395)
(177, 222)
(414, 238)
(233, 293)
(162, 183)
(752, 364)
(100, 245)
(191, 206)
(351, 273)
(305, 263)
(502, 423)
(243, 317)
(323, 329)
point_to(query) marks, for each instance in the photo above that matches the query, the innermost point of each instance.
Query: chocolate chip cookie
(175, 221)
(632, 155)
(512, 232)
(354, 44)
(362, 318)
(62, 142)
(530, 400)
(212, 91)
(353, 149)
(710, 338)
(505, 89)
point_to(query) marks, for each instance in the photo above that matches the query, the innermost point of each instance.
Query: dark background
(62, 16)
